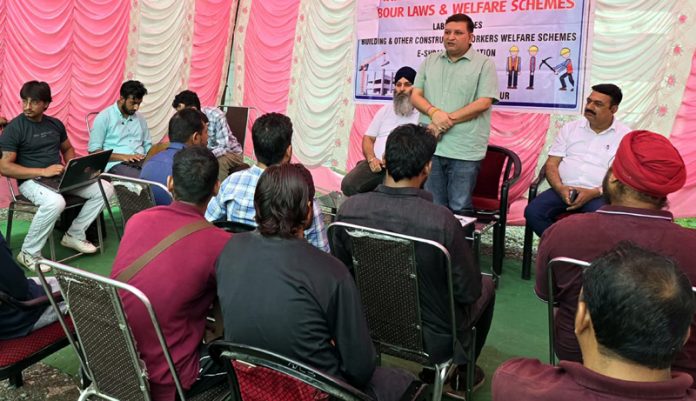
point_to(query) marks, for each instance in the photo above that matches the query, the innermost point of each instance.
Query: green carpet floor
(519, 323)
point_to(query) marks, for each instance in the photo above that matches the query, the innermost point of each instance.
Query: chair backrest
(103, 339)
(257, 374)
(500, 169)
(133, 194)
(237, 119)
(553, 263)
(386, 274)
(233, 227)
(89, 120)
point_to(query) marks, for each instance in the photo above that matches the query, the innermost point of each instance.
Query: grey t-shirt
(37, 144)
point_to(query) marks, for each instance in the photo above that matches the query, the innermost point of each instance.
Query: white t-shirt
(586, 154)
(384, 121)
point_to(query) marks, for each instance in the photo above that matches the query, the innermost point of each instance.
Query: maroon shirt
(524, 379)
(181, 285)
(587, 236)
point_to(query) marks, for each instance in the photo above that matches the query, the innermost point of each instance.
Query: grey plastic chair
(386, 275)
(103, 340)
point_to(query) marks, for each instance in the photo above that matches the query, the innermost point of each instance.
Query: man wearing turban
(580, 155)
(645, 170)
(369, 173)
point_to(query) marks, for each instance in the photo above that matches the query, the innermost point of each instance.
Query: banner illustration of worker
(539, 47)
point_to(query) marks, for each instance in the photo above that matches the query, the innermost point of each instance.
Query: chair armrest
(534, 186)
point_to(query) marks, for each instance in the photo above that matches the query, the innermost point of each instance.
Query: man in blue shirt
(120, 127)
(272, 137)
(186, 127)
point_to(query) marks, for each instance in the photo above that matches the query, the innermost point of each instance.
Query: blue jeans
(452, 183)
(548, 205)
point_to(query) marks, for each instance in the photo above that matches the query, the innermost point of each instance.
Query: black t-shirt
(13, 322)
(37, 144)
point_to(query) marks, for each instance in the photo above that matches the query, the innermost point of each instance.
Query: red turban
(649, 163)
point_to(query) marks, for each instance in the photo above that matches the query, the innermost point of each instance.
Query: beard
(402, 104)
(125, 111)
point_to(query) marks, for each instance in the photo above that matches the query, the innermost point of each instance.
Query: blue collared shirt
(158, 168)
(235, 202)
(126, 135)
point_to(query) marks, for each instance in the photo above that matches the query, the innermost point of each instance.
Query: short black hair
(188, 99)
(271, 135)
(184, 123)
(640, 303)
(461, 18)
(134, 89)
(409, 148)
(282, 199)
(195, 172)
(36, 90)
(611, 90)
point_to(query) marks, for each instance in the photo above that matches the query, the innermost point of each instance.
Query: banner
(539, 47)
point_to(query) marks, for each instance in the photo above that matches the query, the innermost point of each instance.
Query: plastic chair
(500, 169)
(133, 194)
(551, 303)
(386, 275)
(19, 203)
(103, 340)
(233, 227)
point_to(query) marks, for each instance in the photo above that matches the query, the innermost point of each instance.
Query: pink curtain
(210, 47)
(270, 37)
(79, 48)
(683, 203)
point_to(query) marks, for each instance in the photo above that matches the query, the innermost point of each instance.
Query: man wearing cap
(578, 159)
(645, 170)
(369, 173)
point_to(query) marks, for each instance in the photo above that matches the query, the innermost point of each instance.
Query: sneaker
(29, 262)
(456, 387)
(80, 245)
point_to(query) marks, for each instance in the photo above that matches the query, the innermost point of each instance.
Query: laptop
(79, 172)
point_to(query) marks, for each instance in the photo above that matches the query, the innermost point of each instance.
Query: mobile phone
(573, 195)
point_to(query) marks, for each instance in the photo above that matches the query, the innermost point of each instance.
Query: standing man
(454, 90)
(578, 159)
(32, 146)
(533, 50)
(513, 67)
(221, 140)
(567, 67)
(369, 173)
(120, 127)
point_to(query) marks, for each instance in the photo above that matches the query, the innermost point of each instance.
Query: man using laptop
(32, 145)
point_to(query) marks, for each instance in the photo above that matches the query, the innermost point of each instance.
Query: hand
(442, 120)
(584, 195)
(375, 165)
(132, 158)
(52, 171)
(564, 192)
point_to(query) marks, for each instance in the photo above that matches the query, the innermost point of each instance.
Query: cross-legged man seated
(36, 145)
(632, 320)
(180, 280)
(578, 159)
(647, 168)
(279, 293)
(401, 206)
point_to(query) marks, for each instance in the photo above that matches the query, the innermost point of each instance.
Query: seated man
(369, 173)
(401, 206)
(120, 127)
(646, 169)
(281, 294)
(272, 136)
(179, 281)
(17, 322)
(32, 145)
(187, 127)
(632, 320)
(221, 140)
(578, 159)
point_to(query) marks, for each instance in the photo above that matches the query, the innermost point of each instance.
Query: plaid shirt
(235, 202)
(220, 137)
